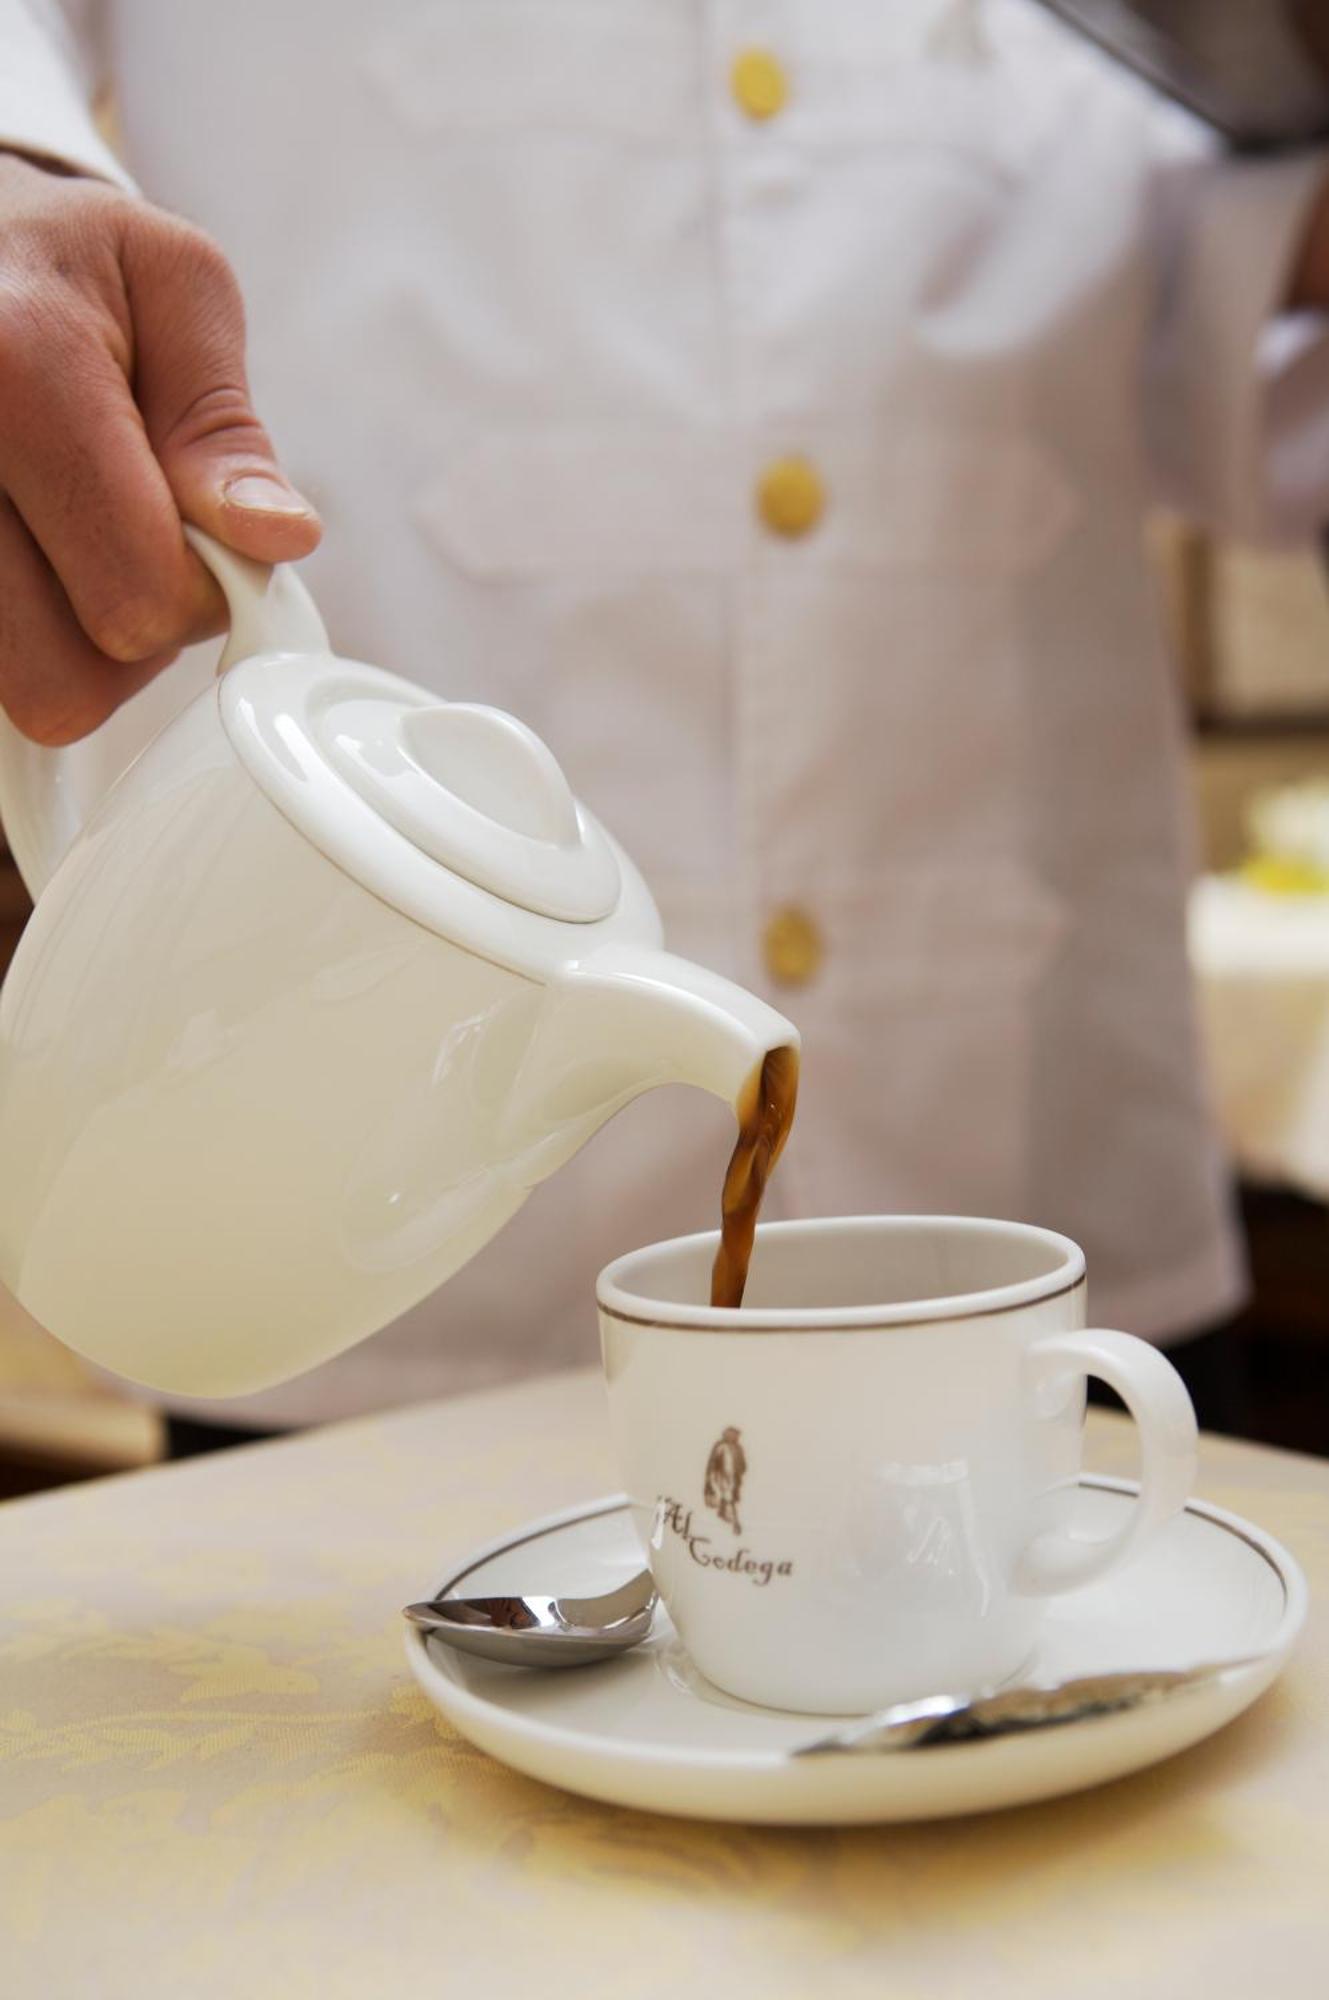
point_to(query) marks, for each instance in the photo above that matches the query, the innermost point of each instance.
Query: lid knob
(470, 787)
(497, 765)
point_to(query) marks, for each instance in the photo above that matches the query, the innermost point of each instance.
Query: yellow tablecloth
(216, 1778)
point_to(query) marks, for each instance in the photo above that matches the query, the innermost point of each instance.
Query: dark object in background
(1265, 1374)
(1216, 1368)
(1257, 70)
(15, 907)
(187, 1439)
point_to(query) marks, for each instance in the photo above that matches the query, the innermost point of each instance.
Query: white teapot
(330, 979)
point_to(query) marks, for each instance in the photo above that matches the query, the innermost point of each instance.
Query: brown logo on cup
(725, 1470)
(673, 1518)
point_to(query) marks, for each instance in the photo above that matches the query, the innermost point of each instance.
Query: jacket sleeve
(48, 78)
(1237, 390)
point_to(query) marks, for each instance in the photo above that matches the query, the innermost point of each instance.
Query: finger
(76, 463)
(193, 391)
(55, 685)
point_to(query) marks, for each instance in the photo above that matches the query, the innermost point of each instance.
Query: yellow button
(790, 496)
(759, 84)
(792, 946)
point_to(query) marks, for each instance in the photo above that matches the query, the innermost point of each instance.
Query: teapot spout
(623, 1020)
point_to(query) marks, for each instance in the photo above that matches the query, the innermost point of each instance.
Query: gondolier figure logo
(725, 1470)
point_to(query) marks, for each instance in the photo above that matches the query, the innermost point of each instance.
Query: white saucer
(645, 1730)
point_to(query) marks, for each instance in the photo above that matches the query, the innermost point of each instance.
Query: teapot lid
(457, 814)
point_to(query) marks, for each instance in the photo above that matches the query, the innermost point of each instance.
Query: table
(218, 1780)
(1261, 964)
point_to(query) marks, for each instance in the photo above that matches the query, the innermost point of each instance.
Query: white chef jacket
(534, 302)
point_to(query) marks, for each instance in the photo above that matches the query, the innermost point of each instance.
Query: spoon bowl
(542, 1631)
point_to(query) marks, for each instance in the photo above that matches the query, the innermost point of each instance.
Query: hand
(124, 410)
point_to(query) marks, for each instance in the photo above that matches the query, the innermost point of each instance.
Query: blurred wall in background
(1250, 635)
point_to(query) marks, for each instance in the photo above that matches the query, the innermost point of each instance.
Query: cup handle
(1156, 1397)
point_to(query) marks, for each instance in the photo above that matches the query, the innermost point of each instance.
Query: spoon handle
(948, 1718)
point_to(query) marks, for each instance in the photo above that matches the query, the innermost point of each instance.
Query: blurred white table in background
(1262, 970)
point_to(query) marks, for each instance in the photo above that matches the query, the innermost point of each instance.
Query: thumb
(192, 392)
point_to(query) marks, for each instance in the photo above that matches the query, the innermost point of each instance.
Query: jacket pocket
(611, 500)
(616, 69)
(920, 1039)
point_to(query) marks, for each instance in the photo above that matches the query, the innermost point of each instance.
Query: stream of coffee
(765, 1113)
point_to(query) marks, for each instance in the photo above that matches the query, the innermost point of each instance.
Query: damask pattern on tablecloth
(217, 1778)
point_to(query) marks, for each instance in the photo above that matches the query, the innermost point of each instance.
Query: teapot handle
(270, 605)
(47, 795)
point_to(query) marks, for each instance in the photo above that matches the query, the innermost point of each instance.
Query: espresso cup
(859, 1487)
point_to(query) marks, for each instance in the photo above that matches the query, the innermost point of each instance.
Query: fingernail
(262, 493)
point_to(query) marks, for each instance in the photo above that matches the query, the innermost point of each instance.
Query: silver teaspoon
(542, 1631)
(962, 1718)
